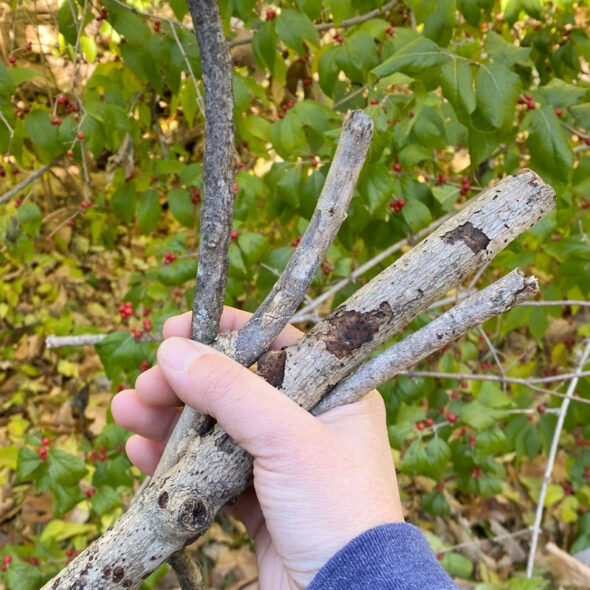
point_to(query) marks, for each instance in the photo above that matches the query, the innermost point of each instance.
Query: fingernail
(178, 353)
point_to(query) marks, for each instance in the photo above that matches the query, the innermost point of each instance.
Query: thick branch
(498, 298)
(277, 309)
(179, 506)
(218, 202)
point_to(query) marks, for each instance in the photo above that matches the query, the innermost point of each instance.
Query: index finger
(231, 319)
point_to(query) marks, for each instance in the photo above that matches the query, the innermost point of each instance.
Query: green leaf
(20, 75)
(413, 58)
(294, 27)
(28, 462)
(105, 500)
(30, 218)
(182, 207)
(376, 185)
(440, 22)
(340, 9)
(439, 454)
(264, 46)
(456, 82)
(188, 101)
(416, 214)
(149, 211)
(65, 469)
(67, 20)
(496, 94)
(457, 565)
(561, 94)
(502, 51)
(128, 25)
(23, 576)
(64, 497)
(549, 146)
(124, 201)
(6, 83)
(61, 530)
(114, 352)
(288, 136)
(447, 195)
(415, 459)
(178, 272)
(113, 473)
(435, 503)
(581, 113)
(41, 130)
(479, 416)
(88, 46)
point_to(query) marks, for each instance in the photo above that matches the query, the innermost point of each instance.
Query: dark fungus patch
(118, 574)
(271, 367)
(193, 514)
(106, 572)
(471, 236)
(225, 443)
(163, 500)
(348, 330)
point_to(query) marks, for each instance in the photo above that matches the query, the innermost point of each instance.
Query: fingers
(260, 418)
(153, 389)
(231, 319)
(144, 453)
(132, 413)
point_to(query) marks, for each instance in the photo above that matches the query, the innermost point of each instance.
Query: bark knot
(193, 514)
(163, 500)
(348, 330)
(470, 235)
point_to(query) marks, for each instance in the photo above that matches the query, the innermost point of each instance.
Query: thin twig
(496, 539)
(287, 293)
(25, 183)
(551, 460)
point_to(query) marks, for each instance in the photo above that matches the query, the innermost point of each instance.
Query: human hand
(318, 482)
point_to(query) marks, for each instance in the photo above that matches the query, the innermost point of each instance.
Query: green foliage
(460, 92)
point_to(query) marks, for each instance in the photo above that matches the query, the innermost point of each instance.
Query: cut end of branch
(359, 123)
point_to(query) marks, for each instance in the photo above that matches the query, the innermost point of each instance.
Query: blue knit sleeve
(389, 557)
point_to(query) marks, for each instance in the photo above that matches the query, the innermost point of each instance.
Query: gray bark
(178, 506)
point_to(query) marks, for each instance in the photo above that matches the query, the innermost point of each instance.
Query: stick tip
(359, 123)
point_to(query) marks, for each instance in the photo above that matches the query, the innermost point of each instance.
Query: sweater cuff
(393, 556)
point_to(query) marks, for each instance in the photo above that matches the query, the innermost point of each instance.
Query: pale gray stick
(495, 299)
(24, 183)
(278, 307)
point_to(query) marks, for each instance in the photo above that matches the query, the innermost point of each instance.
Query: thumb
(261, 419)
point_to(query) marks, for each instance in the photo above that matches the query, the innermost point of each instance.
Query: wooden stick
(495, 299)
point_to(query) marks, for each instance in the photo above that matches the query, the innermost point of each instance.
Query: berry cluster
(271, 15)
(6, 561)
(42, 452)
(157, 26)
(441, 179)
(84, 206)
(389, 31)
(527, 99)
(169, 257)
(285, 107)
(398, 205)
(126, 310)
(90, 492)
(338, 38)
(465, 185)
(21, 112)
(196, 196)
(103, 14)
(314, 160)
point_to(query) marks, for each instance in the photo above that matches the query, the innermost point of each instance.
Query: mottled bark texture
(179, 505)
(499, 297)
(218, 202)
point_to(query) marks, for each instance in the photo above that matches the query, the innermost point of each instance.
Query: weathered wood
(497, 298)
(179, 506)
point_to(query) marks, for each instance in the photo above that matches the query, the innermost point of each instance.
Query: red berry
(389, 31)
(15, 170)
(236, 187)
(48, 238)
(147, 325)
(93, 455)
(2, 172)
(271, 15)
(471, 440)
(307, 81)
(33, 561)
(90, 492)
(147, 311)
(397, 167)
(420, 426)
(118, 448)
(295, 242)
(17, 202)
(401, 203)
(541, 409)
(120, 388)
(144, 366)
(196, 197)
(521, 100)
(476, 472)
(42, 452)
(281, 116)
(452, 417)
(80, 136)
(69, 153)
(56, 122)
(137, 334)
(3, 567)
(103, 13)
(429, 421)
(102, 448)
(528, 97)
(61, 99)
(326, 269)
(45, 441)
(12, 59)
(70, 552)
(411, 114)
(7, 559)
(157, 25)
(102, 457)
(374, 101)
(29, 46)
(234, 234)
(130, 176)
(314, 163)
(559, 111)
